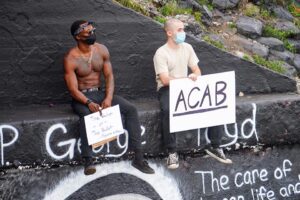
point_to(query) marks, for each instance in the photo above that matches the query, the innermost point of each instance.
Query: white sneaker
(218, 154)
(173, 161)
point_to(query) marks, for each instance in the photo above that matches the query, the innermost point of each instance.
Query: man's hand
(94, 107)
(106, 103)
(193, 76)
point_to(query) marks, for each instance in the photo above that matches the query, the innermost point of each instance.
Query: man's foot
(173, 161)
(218, 154)
(89, 167)
(143, 166)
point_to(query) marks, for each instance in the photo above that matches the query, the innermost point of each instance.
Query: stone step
(48, 134)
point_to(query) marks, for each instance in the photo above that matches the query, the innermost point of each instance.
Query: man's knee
(83, 112)
(132, 108)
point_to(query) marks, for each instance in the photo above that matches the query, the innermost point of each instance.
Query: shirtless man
(83, 65)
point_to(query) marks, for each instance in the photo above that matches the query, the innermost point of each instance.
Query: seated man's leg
(86, 150)
(169, 139)
(132, 124)
(215, 136)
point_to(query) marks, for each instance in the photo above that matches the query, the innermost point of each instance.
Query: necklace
(89, 59)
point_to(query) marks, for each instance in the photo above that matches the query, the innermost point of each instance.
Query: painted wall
(53, 137)
(34, 35)
(272, 173)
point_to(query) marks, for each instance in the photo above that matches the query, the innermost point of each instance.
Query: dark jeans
(128, 112)
(169, 139)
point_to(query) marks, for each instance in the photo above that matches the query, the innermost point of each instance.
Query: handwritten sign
(103, 128)
(209, 101)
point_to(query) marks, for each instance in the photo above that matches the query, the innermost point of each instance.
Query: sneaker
(143, 166)
(89, 167)
(218, 154)
(173, 161)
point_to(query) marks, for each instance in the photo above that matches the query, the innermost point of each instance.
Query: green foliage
(292, 9)
(161, 20)
(134, 6)
(247, 57)
(231, 25)
(172, 8)
(265, 14)
(203, 2)
(197, 16)
(297, 22)
(207, 3)
(269, 31)
(289, 46)
(273, 65)
(215, 43)
(251, 10)
(210, 7)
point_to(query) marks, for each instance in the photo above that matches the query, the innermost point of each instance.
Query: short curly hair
(75, 25)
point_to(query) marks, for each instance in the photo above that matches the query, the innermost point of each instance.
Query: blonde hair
(169, 24)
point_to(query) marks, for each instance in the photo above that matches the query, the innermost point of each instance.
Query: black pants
(169, 139)
(128, 112)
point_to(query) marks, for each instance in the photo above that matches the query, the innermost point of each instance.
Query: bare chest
(86, 65)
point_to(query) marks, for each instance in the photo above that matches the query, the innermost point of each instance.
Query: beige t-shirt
(174, 61)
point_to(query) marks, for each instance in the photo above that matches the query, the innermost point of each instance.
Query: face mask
(90, 39)
(180, 37)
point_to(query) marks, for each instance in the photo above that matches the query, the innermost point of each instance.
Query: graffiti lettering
(251, 179)
(280, 173)
(290, 190)
(235, 135)
(2, 144)
(262, 194)
(70, 142)
(215, 183)
(251, 121)
(240, 197)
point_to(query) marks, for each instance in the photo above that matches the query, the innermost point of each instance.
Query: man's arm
(72, 84)
(109, 78)
(165, 78)
(195, 73)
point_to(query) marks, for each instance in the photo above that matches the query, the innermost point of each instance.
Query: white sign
(209, 101)
(105, 126)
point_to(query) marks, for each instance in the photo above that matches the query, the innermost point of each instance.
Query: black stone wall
(34, 35)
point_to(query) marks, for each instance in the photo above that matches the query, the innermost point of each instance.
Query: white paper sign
(209, 101)
(105, 126)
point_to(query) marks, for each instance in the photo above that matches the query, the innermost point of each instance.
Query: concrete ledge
(48, 134)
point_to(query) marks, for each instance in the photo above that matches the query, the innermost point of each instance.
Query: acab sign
(209, 101)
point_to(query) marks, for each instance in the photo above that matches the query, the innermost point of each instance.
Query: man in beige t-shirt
(171, 61)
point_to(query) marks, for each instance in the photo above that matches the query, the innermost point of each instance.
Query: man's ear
(169, 33)
(77, 37)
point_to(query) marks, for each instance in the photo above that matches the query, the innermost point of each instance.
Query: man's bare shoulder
(70, 54)
(101, 47)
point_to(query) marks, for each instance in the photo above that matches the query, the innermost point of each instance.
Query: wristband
(88, 102)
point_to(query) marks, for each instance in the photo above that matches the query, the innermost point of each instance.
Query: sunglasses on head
(83, 26)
